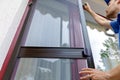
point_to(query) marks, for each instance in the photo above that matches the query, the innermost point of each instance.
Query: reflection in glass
(65, 32)
(50, 24)
(43, 69)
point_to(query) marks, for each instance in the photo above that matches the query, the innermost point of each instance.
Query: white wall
(11, 12)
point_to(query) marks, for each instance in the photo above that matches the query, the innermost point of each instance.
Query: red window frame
(14, 41)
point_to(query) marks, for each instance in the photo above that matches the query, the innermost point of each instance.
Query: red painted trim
(12, 46)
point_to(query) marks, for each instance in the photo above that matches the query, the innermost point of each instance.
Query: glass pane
(49, 69)
(50, 24)
(43, 69)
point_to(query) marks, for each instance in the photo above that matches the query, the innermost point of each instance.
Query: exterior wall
(11, 13)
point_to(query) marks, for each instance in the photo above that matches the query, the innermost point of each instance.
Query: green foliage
(104, 53)
(108, 44)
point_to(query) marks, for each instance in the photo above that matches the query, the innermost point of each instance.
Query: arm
(95, 74)
(115, 73)
(99, 19)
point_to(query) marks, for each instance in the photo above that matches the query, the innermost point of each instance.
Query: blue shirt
(116, 26)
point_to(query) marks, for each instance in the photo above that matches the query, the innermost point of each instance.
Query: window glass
(49, 68)
(43, 69)
(50, 24)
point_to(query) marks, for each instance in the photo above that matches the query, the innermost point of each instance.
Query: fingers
(86, 72)
(85, 4)
(87, 77)
(87, 69)
(86, 7)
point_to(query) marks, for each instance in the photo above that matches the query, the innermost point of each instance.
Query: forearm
(99, 19)
(115, 73)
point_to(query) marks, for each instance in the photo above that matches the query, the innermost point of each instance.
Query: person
(112, 11)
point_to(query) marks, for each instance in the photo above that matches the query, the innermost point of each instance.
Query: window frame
(86, 52)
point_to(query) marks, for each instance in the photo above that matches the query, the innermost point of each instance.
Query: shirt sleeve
(115, 26)
(118, 18)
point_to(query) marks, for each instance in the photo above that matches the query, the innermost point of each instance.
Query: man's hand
(87, 7)
(94, 74)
